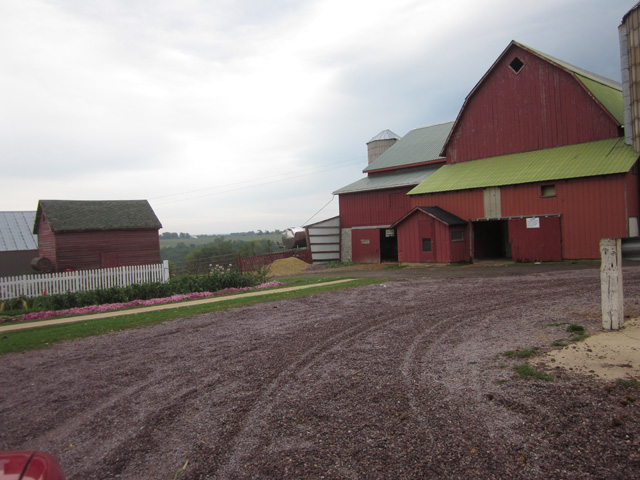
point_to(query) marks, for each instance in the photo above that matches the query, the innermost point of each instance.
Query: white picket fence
(82, 280)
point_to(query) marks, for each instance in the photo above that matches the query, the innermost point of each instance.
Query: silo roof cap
(385, 135)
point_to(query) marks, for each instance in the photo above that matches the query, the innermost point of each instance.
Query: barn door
(426, 237)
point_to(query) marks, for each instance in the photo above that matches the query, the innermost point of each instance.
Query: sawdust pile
(287, 266)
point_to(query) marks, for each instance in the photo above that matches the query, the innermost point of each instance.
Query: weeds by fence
(82, 280)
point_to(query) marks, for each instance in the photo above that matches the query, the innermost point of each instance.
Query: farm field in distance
(401, 379)
(201, 241)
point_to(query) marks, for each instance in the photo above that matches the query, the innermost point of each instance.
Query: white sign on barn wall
(533, 222)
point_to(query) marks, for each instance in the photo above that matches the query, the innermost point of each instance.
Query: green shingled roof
(79, 215)
(418, 146)
(604, 157)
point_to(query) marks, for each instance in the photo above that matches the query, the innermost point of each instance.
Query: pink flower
(139, 303)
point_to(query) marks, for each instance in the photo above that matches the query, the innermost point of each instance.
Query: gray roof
(15, 231)
(92, 215)
(443, 215)
(418, 146)
(385, 135)
(389, 180)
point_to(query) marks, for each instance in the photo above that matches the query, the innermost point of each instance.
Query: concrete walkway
(166, 306)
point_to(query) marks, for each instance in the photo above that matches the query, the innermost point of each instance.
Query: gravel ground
(397, 380)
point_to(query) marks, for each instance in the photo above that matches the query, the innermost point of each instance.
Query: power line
(248, 186)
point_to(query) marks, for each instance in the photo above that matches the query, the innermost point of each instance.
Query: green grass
(579, 338)
(43, 337)
(526, 353)
(633, 383)
(559, 343)
(573, 328)
(527, 371)
(397, 266)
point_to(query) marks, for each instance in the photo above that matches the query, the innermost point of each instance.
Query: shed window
(548, 191)
(516, 64)
(457, 236)
(426, 244)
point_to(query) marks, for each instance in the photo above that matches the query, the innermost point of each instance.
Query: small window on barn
(548, 191)
(426, 244)
(457, 236)
(516, 64)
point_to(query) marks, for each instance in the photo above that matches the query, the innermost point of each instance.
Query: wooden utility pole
(611, 283)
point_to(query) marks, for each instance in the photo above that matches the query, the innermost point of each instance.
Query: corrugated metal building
(18, 245)
(534, 168)
(82, 235)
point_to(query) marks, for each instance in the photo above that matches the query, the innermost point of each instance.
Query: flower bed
(139, 303)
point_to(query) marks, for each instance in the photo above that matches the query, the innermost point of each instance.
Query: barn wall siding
(87, 250)
(380, 207)
(465, 204)
(418, 226)
(366, 245)
(46, 242)
(540, 244)
(591, 209)
(540, 107)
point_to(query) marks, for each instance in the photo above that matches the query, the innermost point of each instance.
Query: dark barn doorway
(388, 245)
(491, 239)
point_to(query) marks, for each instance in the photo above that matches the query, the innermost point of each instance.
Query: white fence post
(81, 280)
(611, 284)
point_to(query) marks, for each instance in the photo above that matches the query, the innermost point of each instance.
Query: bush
(215, 281)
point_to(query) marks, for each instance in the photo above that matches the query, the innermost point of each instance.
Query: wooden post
(611, 283)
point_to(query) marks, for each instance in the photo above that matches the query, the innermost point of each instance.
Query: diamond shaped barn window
(516, 64)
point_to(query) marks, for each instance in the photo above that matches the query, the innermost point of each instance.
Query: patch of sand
(287, 266)
(610, 355)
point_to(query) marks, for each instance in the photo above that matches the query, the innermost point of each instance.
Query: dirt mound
(287, 266)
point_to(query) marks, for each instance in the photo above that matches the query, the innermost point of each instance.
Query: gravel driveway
(398, 380)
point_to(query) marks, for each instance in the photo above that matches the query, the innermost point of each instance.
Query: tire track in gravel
(427, 347)
(247, 440)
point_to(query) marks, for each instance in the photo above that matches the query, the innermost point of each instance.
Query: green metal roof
(80, 215)
(389, 180)
(604, 157)
(418, 146)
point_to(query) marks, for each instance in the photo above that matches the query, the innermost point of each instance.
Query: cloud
(182, 102)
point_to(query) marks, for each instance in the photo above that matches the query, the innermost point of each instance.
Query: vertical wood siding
(591, 209)
(46, 242)
(540, 107)
(465, 204)
(543, 244)
(88, 250)
(366, 245)
(418, 226)
(381, 207)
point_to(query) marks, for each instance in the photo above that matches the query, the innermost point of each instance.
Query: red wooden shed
(81, 235)
(432, 234)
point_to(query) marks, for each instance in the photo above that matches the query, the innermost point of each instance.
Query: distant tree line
(169, 235)
(220, 251)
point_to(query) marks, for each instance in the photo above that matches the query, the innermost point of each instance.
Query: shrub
(213, 282)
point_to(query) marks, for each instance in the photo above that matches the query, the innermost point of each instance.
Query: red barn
(535, 166)
(370, 206)
(81, 235)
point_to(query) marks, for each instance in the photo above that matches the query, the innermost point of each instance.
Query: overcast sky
(236, 115)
